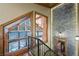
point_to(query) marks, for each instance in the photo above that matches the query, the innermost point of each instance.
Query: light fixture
(77, 38)
(60, 34)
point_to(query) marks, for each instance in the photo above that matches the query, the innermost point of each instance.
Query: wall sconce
(77, 38)
(60, 34)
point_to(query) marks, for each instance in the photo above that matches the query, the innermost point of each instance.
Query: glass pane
(14, 27)
(39, 33)
(22, 43)
(13, 46)
(22, 26)
(13, 35)
(40, 37)
(28, 28)
(28, 22)
(23, 34)
(28, 33)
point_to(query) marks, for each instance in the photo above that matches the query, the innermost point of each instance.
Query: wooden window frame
(5, 36)
(46, 40)
(16, 40)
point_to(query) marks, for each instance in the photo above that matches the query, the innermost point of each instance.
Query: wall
(78, 28)
(13, 10)
(64, 21)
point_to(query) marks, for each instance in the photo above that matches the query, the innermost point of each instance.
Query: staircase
(38, 48)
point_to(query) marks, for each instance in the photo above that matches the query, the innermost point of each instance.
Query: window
(17, 40)
(23, 43)
(13, 46)
(12, 35)
(41, 27)
(17, 34)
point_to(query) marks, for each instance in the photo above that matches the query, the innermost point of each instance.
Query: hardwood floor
(28, 54)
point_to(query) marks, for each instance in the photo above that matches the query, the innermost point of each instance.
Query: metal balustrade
(38, 48)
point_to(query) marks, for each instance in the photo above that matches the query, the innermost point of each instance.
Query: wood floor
(28, 54)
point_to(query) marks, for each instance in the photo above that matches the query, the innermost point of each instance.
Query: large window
(17, 33)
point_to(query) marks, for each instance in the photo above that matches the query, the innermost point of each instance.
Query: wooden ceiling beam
(48, 5)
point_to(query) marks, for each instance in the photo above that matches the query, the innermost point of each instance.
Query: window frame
(5, 36)
(16, 40)
(45, 40)
(32, 16)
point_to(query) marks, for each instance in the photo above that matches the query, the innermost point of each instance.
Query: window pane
(23, 34)
(14, 27)
(39, 33)
(22, 26)
(13, 46)
(13, 35)
(28, 22)
(28, 28)
(28, 33)
(22, 43)
(39, 37)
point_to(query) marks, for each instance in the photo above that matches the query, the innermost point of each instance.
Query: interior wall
(64, 21)
(9, 11)
(78, 27)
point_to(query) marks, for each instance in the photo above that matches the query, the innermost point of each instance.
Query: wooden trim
(5, 36)
(15, 40)
(46, 26)
(17, 18)
(61, 40)
(1, 41)
(41, 14)
(17, 53)
(33, 24)
(31, 18)
(48, 5)
(65, 41)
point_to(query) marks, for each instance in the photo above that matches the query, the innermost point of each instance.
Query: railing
(38, 48)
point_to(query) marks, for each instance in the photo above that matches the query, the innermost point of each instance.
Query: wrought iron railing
(38, 48)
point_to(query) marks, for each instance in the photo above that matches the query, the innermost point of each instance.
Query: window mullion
(18, 40)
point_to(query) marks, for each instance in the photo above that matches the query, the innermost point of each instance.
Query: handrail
(38, 44)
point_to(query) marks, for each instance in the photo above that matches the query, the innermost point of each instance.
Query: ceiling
(48, 5)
